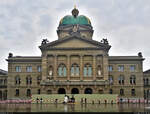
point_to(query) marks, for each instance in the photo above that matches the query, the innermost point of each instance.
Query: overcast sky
(24, 23)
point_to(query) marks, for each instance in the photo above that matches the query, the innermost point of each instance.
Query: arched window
(28, 92)
(75, 91)
(121, 79)
(38, 80)
(28, 80)
(75, 70)
(111, 80)
(87, 70)
(88, 91)
(62, 71)
(132, 80)
(17, 80)
(61, 91)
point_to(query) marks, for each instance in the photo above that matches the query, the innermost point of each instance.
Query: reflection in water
(65, 108)
(74, 107)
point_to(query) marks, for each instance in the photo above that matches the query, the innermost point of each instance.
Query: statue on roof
(140, 54)
(44, 41)
(104, 41)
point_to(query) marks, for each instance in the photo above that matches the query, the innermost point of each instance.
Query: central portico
(75, 63)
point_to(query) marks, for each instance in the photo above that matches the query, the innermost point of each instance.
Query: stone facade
(3, 85)
(147, 84)
(76, 64)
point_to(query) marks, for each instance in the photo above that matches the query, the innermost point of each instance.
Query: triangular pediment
(75, 42)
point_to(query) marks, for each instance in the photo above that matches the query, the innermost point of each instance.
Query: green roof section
(71, 20)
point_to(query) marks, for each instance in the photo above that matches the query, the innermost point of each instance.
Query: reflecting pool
(74, 108)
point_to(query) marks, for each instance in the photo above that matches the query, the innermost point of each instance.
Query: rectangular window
(17, 92)
(18, 68)
(110, 68)
(110, 91)
(121, 92)
(120, 68)
(38, 91)
(110, 79)
(132, 68)
(39, 68)
(29, 68)
(1, 81)
(132, 92)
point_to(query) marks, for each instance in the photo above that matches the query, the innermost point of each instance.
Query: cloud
(23, 24)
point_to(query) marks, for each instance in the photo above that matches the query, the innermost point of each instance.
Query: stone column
(44, 67)
(81, 67)
(55, 67)
(68, 67)
(94, 67)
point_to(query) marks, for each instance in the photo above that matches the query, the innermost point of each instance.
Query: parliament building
(75, 64)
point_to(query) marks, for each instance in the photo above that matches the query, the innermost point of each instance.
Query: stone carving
(75, 28)
(104, 41)
(99, 71)
(44, 41)
(50, 73)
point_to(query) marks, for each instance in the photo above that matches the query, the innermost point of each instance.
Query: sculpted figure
(50, 72)
(99, 72)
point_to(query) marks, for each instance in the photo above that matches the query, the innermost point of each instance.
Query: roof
(3, 72)
(121, 58)
(24, 59)
(49, 46)
(71, 20)
(147, 71)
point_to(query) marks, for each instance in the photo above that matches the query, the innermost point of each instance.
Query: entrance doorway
(88, 91)
(61, 91)
(75, 91)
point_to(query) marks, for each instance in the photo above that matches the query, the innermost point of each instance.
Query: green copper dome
(69, 19)
(75, 19)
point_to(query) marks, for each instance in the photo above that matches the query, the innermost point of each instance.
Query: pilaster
(81, 67)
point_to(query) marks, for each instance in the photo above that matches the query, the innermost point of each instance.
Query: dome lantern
(75, 12)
